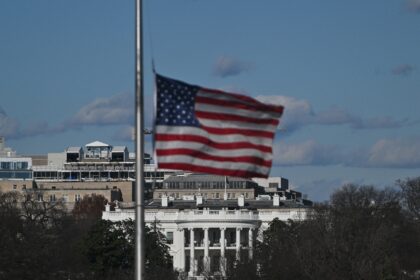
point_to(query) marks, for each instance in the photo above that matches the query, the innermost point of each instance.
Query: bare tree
(411, 195)
(362, 233)
(32, 240)
(40, 212)
(90, 207)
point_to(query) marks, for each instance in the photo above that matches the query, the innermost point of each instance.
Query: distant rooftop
(73, 149)
(97, 144)
(119, 149)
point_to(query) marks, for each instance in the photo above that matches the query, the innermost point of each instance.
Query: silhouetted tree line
(41, 241)
(361, 233)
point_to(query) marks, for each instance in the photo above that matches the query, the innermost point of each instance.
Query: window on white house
(169, 237)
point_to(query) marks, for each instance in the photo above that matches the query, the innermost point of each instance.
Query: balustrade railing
(197, 215)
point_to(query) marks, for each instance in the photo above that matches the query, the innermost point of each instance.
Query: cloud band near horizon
(118, 111)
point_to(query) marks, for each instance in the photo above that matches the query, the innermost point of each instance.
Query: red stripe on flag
(210, 143)
(229, 117)
(245, 132)
(211, 170)
(233, 135)
(232, 104)
(204, 156)
(278, 109)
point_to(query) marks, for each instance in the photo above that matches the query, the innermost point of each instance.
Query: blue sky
(347, 72)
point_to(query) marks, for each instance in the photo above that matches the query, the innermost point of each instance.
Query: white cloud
(305, 153)
(393, 153)
(117, 109)
(114, 110)
(401, 152)
(12, 129)
(228, 66)
(299, 113)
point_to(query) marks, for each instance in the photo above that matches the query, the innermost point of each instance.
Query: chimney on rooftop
(276, 200)
(164, 201)
(241, 201)
(199, 199)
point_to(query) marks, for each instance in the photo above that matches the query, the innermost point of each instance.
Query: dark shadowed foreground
(39, 240)
(361, 233)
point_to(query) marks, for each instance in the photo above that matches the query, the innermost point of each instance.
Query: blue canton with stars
(175, 103)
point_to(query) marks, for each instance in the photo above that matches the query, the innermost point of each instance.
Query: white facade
(202, 237)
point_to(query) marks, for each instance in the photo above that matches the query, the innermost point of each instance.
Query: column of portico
(222, 242)
(180, 256)
(222, 252)
(192, 249)
(206, 250)
(250, 244)
(238, 243)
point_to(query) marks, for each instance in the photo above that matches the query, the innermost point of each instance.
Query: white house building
(206, 236)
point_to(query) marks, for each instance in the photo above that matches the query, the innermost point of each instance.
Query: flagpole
(139, 139)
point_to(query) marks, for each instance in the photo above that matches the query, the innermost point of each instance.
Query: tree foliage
(158, 260)
(30, 237)
(410, 189)
(90, 207)
(109, 248)
(40, 241)
(362, 233)
(411, 196)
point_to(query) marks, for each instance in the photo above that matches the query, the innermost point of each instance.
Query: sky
(347, 72)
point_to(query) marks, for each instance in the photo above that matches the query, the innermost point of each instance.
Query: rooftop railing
(209, 215)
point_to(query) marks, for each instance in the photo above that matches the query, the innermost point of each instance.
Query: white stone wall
(179, 221)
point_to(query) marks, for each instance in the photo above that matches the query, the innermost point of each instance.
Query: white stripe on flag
(237, 124)
(190, 130)
(211, 163)
(204, 107)
(168, 145)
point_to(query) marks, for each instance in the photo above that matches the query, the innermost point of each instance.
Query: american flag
(211, 131)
